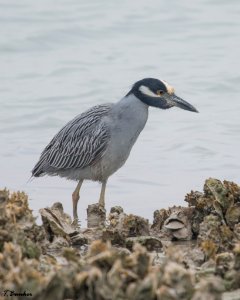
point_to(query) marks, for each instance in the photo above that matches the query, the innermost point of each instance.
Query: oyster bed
(190, 252)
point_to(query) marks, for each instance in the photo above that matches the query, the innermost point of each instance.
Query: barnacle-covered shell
(236, 231)
(232, 215)
(58, 224)
(95, 270)
(216, 188)
(183, 281)
(150, 242)
(173, 224)
(209, 288)
(96, 215)
(184, 233)
(224, 262)
(179, 223)
(159, 217)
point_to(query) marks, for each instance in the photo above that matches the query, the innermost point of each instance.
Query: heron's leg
(75, 198)
(102, 194)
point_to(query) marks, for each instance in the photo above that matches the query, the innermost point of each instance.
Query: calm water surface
(58, 58)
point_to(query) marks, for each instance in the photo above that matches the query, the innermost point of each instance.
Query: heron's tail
(40, 167)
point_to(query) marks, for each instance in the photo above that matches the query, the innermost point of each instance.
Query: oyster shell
(179, 223)
(82, 269)
(173, 224)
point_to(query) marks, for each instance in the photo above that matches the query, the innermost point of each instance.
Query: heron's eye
(160, 92)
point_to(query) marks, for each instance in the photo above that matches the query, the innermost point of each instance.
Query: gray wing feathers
(78, 144)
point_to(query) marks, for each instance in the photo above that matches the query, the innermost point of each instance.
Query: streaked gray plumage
(97, 142)
(80, 143)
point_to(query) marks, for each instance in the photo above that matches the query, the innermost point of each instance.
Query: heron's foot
(76, 223)
(101, 206)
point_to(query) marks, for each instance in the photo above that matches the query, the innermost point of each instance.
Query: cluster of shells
(186, 253)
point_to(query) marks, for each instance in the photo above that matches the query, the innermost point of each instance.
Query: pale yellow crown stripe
(145, 90)
(169, 88)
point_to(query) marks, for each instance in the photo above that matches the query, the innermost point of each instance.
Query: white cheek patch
(146, 91)
(169, 88)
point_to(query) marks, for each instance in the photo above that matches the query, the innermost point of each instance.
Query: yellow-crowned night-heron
(97, 142)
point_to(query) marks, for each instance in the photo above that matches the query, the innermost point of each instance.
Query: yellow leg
(75, 198)
(102, 194)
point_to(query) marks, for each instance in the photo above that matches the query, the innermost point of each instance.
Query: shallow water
(58, 58)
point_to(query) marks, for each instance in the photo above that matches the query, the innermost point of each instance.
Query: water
(58, 58)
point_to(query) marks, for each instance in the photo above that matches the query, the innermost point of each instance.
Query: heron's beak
(177, 101)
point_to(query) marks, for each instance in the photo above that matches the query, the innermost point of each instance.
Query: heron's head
(159, 93)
